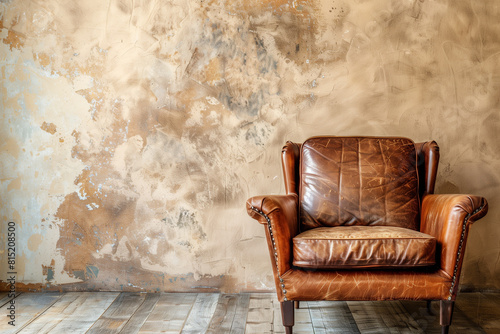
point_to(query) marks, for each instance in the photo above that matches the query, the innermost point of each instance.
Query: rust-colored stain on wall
(132, 132)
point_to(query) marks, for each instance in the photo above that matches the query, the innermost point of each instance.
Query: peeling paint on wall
(133, 131)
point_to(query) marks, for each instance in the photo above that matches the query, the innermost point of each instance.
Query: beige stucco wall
(133, 131)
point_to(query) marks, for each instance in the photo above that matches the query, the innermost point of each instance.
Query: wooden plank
(481, 309)
(52, 316)
(135, 322)
(74, 312)
(383, 317)
(230, 314)
(462, 322)
(169, 313)
(201, 313)
(277, 319)
(28, 307)
(84, 311)
(260, 314)
(250, 313)
(302, 318)
(303, 321)
(331, 317)
(241, 314)
(429, 323)
(4, 298)
(118, 313)
(223, 315)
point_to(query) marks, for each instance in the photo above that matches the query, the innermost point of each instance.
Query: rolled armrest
(281, 210)
(448, 218)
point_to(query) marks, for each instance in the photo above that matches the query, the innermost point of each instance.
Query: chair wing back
(290, 158)
(358, 181)
(427, 163)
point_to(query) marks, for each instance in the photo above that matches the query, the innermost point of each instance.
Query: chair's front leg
(445, 313)
(429, 308)
(288, 316)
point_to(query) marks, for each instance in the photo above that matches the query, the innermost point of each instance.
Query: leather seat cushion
(365, 181)
(363, 247)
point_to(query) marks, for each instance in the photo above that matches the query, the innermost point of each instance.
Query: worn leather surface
(427, 164)
(358, 181)
(282, 212)
(365, 285)
(359, 247)
(290, 157)
(443, 217)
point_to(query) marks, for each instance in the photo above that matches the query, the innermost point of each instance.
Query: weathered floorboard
(201, 313)
(136, 321)
(303, 321)
(76, 315)
(302, 317)
(52, 316)
(461, 323)
(230, 314)
(28, 307)
(118, 313)
(480, 309)
(427, 322)
(4, 298)
(278, 327)
(223, 315)
(382, 317)
(241, 314)
(331, 317)
(260, 314)
(170, 313)
(105, 312)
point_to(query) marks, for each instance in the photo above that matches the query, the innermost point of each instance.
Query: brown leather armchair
(359, 221)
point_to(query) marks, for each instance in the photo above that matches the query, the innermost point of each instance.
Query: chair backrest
(358, 181)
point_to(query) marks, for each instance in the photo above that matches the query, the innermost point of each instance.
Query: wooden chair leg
(445, 313)
(288, 316)
(429, 308)
(297, 305)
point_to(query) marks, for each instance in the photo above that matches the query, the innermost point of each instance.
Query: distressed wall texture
(133, 131)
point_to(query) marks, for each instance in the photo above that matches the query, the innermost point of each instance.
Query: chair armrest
(448, 218)
(282, 213)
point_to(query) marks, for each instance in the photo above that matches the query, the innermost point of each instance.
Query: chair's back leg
(287, 315)
(429, 306)
(445, 313)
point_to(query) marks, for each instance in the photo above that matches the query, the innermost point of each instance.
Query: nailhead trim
(464, 225)
(282, 283)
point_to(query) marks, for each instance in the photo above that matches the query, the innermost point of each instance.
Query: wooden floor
(113, 312)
